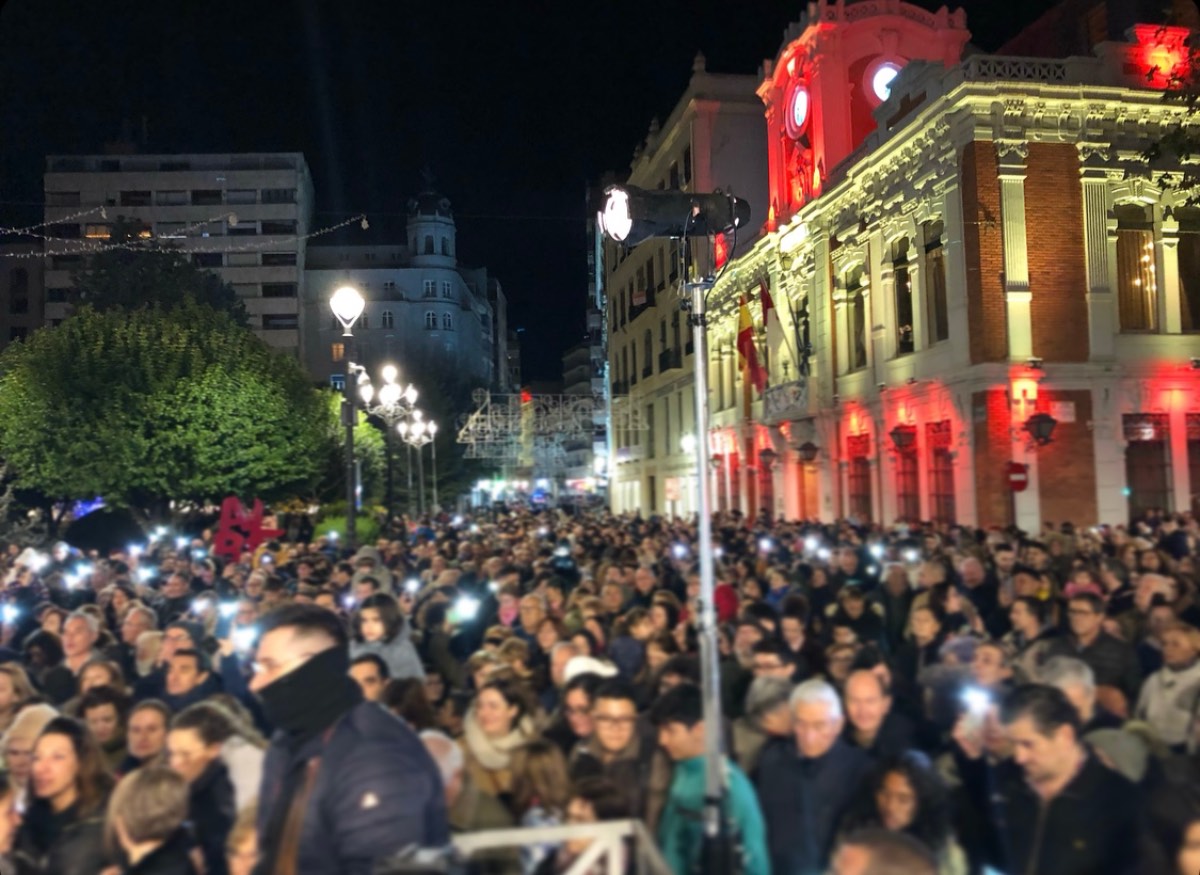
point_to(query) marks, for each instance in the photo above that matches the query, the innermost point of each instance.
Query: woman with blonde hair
(145, 822)
(15, 690)
(18, 742)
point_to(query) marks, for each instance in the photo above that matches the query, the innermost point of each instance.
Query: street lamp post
(347, 304)
(391, 403)
(417, 432)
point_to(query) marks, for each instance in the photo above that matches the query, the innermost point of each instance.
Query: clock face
(798, 109)
(879, 79)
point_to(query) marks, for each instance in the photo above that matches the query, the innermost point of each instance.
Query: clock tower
(835, 68)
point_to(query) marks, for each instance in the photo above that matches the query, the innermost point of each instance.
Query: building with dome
(424, 309)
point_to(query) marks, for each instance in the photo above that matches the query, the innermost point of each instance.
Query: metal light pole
(417, 432)
(629, 216)
(347, 304)
(391, 403)
(433, 452)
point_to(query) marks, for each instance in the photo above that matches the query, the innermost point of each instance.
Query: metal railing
(614, 844)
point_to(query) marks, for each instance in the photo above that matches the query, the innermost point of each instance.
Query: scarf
(495, 754)
(312, 698)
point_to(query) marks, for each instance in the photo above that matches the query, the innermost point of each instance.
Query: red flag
(768, 305)
(747, 350)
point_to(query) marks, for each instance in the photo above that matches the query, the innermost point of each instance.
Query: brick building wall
(1057, 272)
(991, 421)
(983, 245)
(1067, 465)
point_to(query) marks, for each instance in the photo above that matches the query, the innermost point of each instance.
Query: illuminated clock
(799, 106)
(879, 78)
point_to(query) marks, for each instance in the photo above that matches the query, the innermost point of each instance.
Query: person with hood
(381, 629)
(345, 783)
(146, 815)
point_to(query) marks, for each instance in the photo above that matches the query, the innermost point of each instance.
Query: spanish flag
(747, 351)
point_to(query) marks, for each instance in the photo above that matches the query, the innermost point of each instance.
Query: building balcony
(619, 387)
(647, 371)
(669, 360)
(785, 401)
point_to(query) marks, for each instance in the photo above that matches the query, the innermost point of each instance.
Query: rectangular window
(241, 229)
(908, 501)
(58, 295)
(903, 297)
(1193, 450)
(97, 231)
(1189, 274)
(1137, 287)
(279, 195)
(857, 321)
(206, 197)
(62, 198)
(280, 321)
(278, 227)
(67, 262)
(278, 259)
(241, 196)
(1147, 462)
(649, 431)
(447, 289)
(208, 259)
(337, 351)
(937, 317)
(171, 198)
(279, 290)
(246, 290)
(135, 198)
(171, 230)
(18, 306)
(65, 231)
(241, 259)
(859, 483)
(429, 288)
(938, 440)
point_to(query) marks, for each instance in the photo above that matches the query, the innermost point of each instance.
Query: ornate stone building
(979, 260)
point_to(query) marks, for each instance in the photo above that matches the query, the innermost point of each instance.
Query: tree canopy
(134, 276)
(157, 404)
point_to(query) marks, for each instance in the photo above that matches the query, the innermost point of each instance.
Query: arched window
(430, 319)
(429, 244)
(363, 321)
(387, 320)
(445, 246)
(447, 322)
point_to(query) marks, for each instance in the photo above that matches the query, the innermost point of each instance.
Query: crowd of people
(931, 700)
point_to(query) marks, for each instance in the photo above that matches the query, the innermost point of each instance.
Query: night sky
(514, 107)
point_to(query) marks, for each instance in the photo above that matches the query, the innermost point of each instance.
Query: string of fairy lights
(148, 241)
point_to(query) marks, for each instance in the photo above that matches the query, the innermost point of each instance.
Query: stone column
(1012, 165)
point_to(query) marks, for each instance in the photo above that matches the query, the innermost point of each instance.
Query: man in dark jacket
(345, 783)
(874, 725)
(1053, 807)
(806, 785)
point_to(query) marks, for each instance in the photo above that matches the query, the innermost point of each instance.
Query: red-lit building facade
(967, 259)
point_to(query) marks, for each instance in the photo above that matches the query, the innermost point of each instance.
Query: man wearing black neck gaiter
(345, 783)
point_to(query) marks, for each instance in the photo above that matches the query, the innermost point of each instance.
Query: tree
(154, 405)
(369, 451)
(138, 274)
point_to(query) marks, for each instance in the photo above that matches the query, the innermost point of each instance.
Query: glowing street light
(347, 305)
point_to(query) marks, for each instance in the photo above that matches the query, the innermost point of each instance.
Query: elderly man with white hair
(807, 782)
(1078, 683)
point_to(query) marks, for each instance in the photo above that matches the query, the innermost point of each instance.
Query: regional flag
(747, 351)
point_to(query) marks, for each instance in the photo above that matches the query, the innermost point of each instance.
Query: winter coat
(370, 789)
(1167, 702)
(489, 760)
(804, 800)
(641, 772)
(1091, 827)
(65, 844)
(399, 654)
(681, 829)
(212, 811)
(170, 858)
(245, 763)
